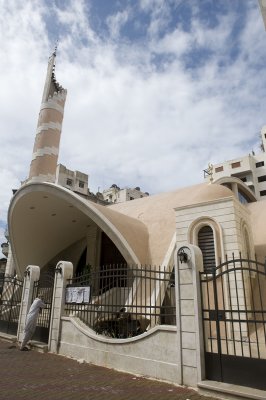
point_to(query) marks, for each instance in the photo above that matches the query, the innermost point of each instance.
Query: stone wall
(152, 354)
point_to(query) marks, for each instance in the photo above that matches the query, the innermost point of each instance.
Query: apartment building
(251, 169)
(116, 195)
(74, 180)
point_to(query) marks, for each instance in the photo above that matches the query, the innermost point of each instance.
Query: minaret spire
(55, 48)
(47, 140)
(50, 85)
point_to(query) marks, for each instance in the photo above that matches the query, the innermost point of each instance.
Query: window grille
(206, 244)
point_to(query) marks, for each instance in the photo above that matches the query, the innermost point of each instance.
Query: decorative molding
(50, 104)
(45, 151)
(42, 178)
(49, 125)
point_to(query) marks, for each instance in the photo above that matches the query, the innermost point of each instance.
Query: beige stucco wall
(258, 218)
(47, 138)
(158, 213)
(228, 216)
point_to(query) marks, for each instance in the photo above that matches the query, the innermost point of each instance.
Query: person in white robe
(31, 321)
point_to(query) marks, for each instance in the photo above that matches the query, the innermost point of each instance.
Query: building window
(244, 179)
(219, 169)
(260, 164)
(206, 245)
(263, 193)
(242, 197)
(69, 182)
(262, 178)
(81, 184)
(131, 198)
(236, 164)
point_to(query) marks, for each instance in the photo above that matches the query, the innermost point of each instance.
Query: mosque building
(60, 223)
(49, 223)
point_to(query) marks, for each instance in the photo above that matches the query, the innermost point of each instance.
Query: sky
(156, 89)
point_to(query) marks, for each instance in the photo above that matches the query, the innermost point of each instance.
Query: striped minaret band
(47, 140)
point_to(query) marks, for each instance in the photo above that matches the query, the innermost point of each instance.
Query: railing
(206, 173)
(233, 297)
(10, 302)
(123, 301)
(234, 308)
(44, 288)
(2, 281)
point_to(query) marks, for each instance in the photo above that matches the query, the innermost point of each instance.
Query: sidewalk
(43, 376)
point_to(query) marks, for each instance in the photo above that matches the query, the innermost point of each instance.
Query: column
(189, 317)
(63, 272)
(32, 274)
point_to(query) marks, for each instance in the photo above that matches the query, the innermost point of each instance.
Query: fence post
(189, 316)
(63, 272)
(32, 274)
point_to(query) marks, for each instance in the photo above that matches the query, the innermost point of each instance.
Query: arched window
(207, 247)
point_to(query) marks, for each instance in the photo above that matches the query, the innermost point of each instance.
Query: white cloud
(8, 182)
(128, 121)
(159, 12)
(74, 17)
(116, 22)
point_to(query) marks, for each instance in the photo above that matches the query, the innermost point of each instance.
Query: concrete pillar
(32, 274)
(189, 317)
(235, 189)
(63, 272)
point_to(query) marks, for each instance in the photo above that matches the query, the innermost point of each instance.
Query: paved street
(32, 375)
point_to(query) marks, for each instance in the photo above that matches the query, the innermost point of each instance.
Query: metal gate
(234, 322)
(44, 287)
(10, 302)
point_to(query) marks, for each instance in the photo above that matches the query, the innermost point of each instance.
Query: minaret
(47, 140)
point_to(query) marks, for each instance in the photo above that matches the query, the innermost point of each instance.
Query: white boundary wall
(169, 353)
(152, 354)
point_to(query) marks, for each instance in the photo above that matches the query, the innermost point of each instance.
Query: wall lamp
(184, 254)
(58, 270)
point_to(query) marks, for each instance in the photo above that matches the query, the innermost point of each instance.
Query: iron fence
(44, 287)
(233, 299)
(2, 281)
(10, 302)
(123, 301)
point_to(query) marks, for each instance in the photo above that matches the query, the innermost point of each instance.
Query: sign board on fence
(78, 294)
